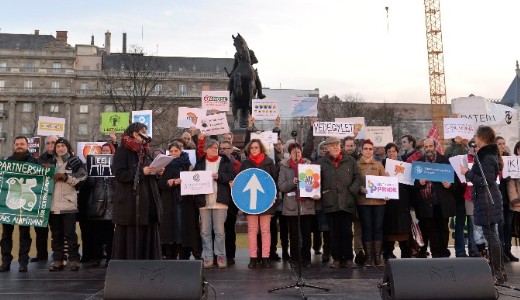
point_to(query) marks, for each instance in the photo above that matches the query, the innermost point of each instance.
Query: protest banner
(463, 127)
(145, 117)
(503, 119)
(432, 172)
(215, 100)
(333, 129)
(98, 165)
(189, 116)
(304, 106)
(117, 121)
(51, 126)
(511, 166)
(457, 162)
(309, 180)
(88, 148)
(265, 109)
(400, 169)
(34, 146)
(196, 183)
(214, 124)
(379, 135)
(382, 187)
(25, 193)
(359, 125)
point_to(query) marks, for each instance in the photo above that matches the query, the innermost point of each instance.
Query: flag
(434, 134)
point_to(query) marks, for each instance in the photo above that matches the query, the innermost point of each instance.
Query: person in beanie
(69, 173)
(21, 154)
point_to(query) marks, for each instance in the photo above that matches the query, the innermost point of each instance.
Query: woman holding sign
(371, 211)
(257, 158)
(488, 212)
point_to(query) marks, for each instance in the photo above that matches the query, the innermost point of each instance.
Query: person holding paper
(371, 211)
(179, 230)
(213, 207)
(513, 190)
(396, 225)
(487, 214)
(131, 230)
(288, 185)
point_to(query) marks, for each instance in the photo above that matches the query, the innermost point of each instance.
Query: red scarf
(257, 159)
(294, 166)
(337, 159)
(212, 159)
(132, 145)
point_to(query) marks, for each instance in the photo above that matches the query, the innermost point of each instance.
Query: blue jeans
(372, 217)
(478, 233)
(213, 220)
(472, 245)
(460, 220)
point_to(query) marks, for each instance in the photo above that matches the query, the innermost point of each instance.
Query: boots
(481, 248)
(252, 263)
(378, 247)
(369, 254)
(497, 264)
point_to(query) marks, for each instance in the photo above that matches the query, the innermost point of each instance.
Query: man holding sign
(435, 204)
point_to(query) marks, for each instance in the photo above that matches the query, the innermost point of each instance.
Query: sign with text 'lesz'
(253, 191)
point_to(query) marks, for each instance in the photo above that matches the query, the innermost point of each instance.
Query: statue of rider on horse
(244, 82)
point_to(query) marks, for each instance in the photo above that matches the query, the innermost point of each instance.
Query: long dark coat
(488, 157)
(179, 223)
(397, 212)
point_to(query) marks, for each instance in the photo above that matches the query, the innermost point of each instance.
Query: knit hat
(64, 142)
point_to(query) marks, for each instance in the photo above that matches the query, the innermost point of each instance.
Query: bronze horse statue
(243, 83)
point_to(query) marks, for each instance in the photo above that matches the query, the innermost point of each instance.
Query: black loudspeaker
(154, 279)
(438, 278)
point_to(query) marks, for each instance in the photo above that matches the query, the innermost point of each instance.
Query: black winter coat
(440, 194)
(226, 173)
(488, 157)
(124, 167)
(397, 212)
(267, 165)
(101, 201)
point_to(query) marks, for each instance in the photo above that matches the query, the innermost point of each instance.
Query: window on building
(55, 86)
(83, 109)
(2, 85)
(157, 87)
(27, 84)
(29, 66)
(27, 107)
(1, 107)
(54, 108)
(3, 67)
(182, 88)
(83, 129)
(84, 87)
(109, 108)
(56, 67)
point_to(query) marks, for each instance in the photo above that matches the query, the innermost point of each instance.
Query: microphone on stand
(145, 138)
(472, 145)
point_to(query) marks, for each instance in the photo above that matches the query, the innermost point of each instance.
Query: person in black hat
(69, 173)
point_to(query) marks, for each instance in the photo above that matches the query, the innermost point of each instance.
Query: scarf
(21, 156)
(212, 159)
(294, 166)
(336, 160)
(257, 159)
(130, 144)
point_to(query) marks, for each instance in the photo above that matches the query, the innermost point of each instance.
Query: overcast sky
(341, 47)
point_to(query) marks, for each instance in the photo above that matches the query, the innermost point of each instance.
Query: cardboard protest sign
(98, 165)
(511, 166)
(51, 126)
(189, 116)
(117, 121)
(196, 183)
(145, 117)
(400, 169)
(463, 127)
(379, 135)
(214, 124)
(309, 180)
(333, 129)
(265, 109)
(304, 106)
(381, 187)
(215, 100)
(25, 193)
(359, 125)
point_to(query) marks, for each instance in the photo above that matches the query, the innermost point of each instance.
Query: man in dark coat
(21, 154)
(435, 204)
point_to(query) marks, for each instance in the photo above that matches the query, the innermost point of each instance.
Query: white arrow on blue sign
(254, 191)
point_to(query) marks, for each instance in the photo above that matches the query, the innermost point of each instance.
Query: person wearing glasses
(371, 211)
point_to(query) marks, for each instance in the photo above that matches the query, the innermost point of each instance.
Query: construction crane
(438, 98)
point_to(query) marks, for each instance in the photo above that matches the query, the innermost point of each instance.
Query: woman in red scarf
(130, 230)
(288, 184)
(257, 158)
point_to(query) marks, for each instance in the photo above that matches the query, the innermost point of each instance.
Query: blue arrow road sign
(253, 191)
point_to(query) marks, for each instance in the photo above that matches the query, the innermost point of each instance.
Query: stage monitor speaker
(154, 279)
(438, 278)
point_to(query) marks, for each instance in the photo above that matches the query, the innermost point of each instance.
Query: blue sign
(433, 172)
(253, 191)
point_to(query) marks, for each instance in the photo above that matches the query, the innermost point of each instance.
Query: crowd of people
(140, 212)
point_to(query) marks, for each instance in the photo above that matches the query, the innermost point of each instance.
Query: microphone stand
(300, 282)
(136, 193)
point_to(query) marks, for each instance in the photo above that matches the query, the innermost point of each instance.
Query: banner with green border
(117, 121)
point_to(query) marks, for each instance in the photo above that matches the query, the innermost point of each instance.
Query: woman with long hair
(488, 212)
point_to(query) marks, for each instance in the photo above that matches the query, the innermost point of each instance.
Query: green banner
(114, 120)
(25, 193)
